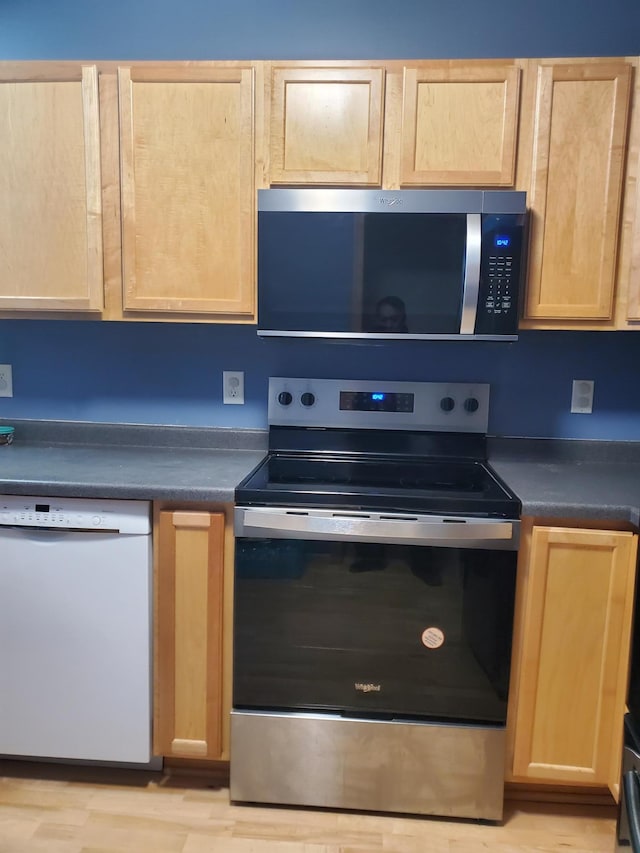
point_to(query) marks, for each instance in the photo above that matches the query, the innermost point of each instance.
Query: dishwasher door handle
(375, 527)
(53, 535)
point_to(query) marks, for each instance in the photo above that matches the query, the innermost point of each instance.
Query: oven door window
(396, 631)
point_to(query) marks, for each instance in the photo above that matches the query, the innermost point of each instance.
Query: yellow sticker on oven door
(432, 638)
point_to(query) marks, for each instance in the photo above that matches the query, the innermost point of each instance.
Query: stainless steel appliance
(75, 629)
(394, 265)
(374, 593)
(628, 822)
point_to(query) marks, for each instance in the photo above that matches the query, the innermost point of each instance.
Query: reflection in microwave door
(390, 315)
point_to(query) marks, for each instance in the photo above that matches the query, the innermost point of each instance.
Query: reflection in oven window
(368, 557)
(313, 618)
(489, 594)
(371, 557)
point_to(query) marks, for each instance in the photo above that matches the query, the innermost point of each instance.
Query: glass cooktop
(444, 486)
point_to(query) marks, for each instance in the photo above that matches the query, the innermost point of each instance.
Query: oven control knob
(308, 399)
(285, 398)
(471, 404)
(447, 404)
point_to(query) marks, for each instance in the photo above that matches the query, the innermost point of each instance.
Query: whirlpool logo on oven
(367, 688)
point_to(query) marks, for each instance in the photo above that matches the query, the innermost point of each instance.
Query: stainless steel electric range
(374, 594)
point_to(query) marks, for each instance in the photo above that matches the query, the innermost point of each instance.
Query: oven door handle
(336, 526)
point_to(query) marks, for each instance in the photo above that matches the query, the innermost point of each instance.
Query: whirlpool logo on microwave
(390, 201)
(367, 688)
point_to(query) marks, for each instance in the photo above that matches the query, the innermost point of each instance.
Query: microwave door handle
(471, 283)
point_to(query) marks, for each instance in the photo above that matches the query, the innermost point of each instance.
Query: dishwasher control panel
(96, 514)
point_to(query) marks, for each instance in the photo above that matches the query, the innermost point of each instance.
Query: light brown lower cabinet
(571, 654)
(189, 614)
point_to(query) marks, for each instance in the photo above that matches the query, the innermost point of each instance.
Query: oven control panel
(363, 404)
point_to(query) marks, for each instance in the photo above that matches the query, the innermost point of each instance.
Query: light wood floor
(44, 808)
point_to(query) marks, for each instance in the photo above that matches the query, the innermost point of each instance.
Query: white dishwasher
(75, 628)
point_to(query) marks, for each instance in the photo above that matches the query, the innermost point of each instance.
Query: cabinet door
(50, 202)
(633, 189)
(573, 659)
(187, 189)
(189, 608)
(634, 276)
(576, 185)
(326, 126)
(459, 124)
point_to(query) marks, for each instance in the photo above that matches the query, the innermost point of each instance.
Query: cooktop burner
(393, 446)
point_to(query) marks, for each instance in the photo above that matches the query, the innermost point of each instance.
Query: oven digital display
(375, 401)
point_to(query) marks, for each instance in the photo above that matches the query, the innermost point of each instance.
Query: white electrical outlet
(233, 386)
(582, 396)
(6, 380)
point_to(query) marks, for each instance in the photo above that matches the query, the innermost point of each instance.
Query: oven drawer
(384, 630)
(328, 761)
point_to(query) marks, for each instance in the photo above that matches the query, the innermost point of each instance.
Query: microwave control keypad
(500, 278)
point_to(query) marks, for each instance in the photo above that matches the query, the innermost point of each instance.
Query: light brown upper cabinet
(579, 152)
(571, 655)
(633, 313)
(326, 125)
(188, 189)
(631, 224)
(430, 124)
(50, 198)
(459, 124)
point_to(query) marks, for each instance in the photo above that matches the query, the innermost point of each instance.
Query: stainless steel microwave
(376, 264)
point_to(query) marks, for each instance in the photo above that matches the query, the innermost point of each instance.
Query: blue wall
(171, 373)
(316, 29)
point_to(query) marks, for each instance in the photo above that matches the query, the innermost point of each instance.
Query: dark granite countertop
(590, 480)
(68, 459)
